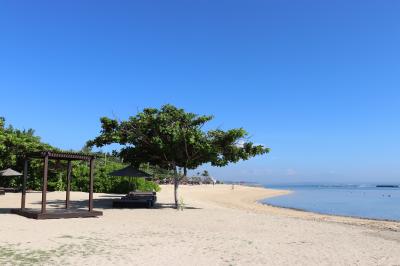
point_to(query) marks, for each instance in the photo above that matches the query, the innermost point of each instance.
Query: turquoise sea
(366, 201)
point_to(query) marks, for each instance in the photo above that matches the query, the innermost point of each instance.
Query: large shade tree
(171, 138)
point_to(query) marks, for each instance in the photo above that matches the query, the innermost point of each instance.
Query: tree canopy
(170, 137)
(14, 143)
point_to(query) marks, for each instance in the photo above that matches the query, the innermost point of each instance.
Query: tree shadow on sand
(103, 202)
(106, 203)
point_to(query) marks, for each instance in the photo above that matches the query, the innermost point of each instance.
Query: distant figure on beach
(233, 186)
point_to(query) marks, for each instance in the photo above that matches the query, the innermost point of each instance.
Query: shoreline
(321, 213)
(335, 215)
(382, 224)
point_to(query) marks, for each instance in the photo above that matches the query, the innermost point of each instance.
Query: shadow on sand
(103, 202)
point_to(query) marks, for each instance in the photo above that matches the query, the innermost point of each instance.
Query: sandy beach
(219, 226)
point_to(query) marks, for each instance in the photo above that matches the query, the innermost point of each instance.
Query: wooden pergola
(66, 212)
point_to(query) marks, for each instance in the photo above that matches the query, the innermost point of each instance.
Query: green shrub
(56, 184)
(144, 185)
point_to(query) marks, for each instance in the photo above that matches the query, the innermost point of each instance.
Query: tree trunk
(176, 185)
(185, 171)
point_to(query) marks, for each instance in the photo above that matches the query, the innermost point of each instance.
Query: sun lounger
(136, 199)
(10, 189)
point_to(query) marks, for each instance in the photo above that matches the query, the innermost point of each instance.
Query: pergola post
(91, 173)
(69, 172)
(44, 183)
(24, 184)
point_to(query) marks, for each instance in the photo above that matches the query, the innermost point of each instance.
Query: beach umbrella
(130, 172)
(9, 172)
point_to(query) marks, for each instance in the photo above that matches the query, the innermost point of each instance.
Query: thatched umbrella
(10, 172)
(131, 171)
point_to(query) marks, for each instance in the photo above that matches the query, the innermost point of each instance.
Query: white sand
(219, 227)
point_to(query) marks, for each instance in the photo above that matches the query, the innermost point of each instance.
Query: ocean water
(366, 201)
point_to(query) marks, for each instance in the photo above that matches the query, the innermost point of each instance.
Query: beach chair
(135, 199)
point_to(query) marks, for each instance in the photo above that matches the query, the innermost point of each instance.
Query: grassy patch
(15, 255)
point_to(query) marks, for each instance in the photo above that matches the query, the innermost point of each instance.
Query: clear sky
(316, 81)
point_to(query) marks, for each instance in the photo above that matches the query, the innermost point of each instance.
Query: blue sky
(318, 82)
